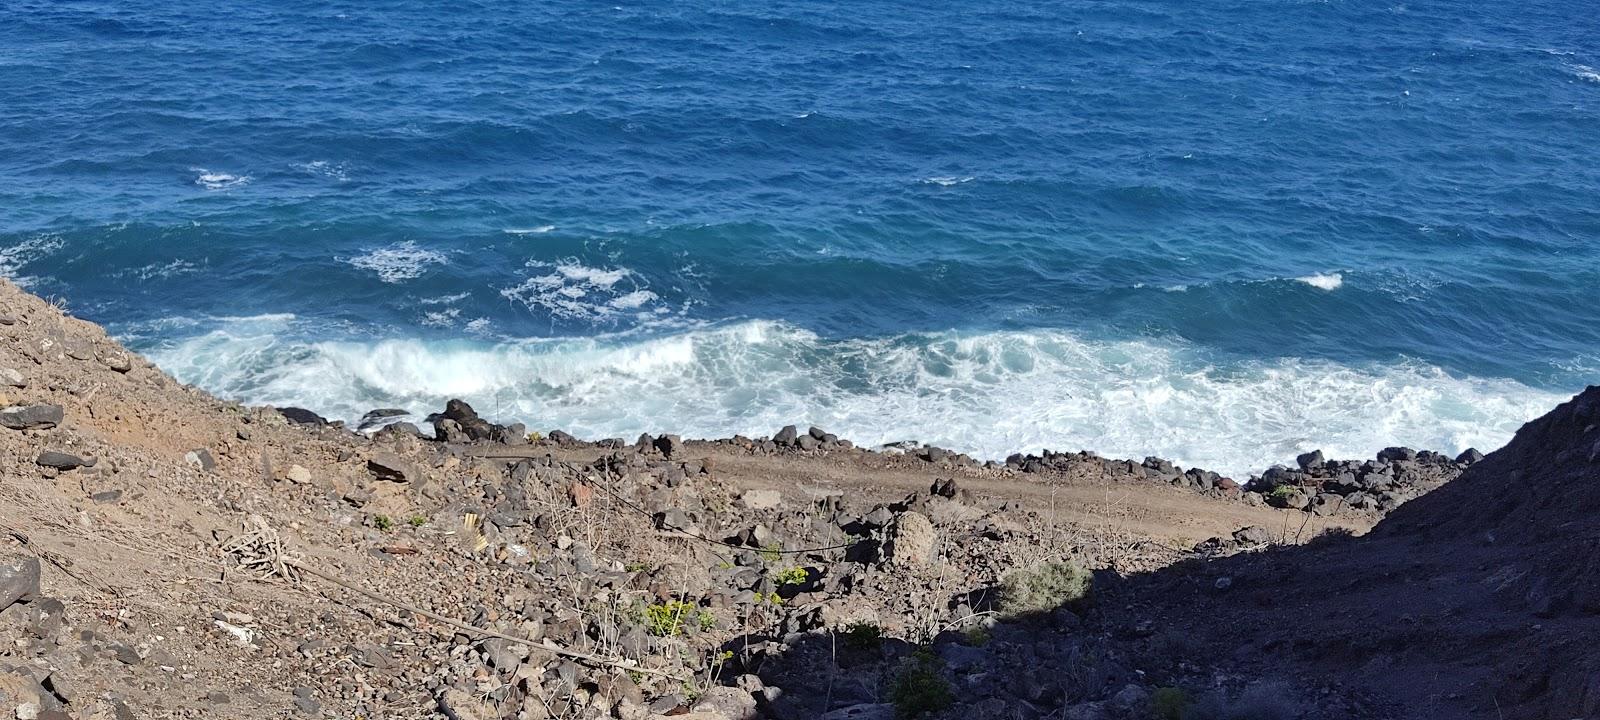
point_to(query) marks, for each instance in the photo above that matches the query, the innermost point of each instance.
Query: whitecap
(160, 270)
(445, 299)
(323, 168)
(218, 180)
(540, 230)
(1323, 281)
(16, 257)
(946, 181)
(1585, 72)
(399, 262)
(573, 291)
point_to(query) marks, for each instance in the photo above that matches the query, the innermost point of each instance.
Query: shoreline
(170, 553)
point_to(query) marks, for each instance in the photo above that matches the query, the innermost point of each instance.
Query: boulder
(389, 466)
(1310, 460)
(31, 417)
(379, 418)
(201, 459)
(729, 702)
(669, 445)
(302, 416)
(787, 435)
(12, 378)
(761, 499)
(912, 541)
(473, 427)
(1253, 535)
(1292, 499)
(19, 580)
(62, 461)
(1326, 503)
(1469, 456)
(1397, 454)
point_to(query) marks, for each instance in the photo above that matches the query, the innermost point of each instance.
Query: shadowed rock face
(1478, 599)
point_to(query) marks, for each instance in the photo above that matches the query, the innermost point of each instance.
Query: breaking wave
(988, 394)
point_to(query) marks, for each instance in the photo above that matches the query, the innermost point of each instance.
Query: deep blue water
(1221, 232)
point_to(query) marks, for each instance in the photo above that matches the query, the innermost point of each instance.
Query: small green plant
(792, 576)
(635, 566)
(705, 620)
(977, 635)
(417, 521)
(666, 619)
(724, 565)
(1044, 588)
(383, 522)
(918, 688)
(1168, 703)
(535, 437)
(862, 635)
(1282, 492)
(771, 552)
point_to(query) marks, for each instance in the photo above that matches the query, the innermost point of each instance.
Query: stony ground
(167, 554)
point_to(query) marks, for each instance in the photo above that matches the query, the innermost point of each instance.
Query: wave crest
(987, 394)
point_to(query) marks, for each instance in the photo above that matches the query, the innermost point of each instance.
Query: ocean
(1221, 233)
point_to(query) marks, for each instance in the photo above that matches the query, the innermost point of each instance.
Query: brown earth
(567, 547)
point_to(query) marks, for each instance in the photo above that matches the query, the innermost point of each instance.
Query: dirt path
(1171, 516)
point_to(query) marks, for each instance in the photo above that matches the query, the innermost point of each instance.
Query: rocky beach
(170, 554)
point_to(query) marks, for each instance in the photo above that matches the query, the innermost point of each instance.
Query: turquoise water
(1218, 232)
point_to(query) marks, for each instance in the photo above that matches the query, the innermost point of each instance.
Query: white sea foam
(1585, 72)
(160, 270)
(323, 168)
(212, 180)
(540, 230)
(946, 181)
(1323, 281)
(14, 258)
(446, 299)
(988, 394)
(399, 262)
(573, 291)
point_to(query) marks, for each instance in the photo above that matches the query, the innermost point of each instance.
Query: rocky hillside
(167, 554)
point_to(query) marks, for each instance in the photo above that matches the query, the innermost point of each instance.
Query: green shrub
(918, 688)
(417, 521)
(1168, 703)
(792, 576)
(666, 619)
(862, 635)
(383, 522)
(1282, 492)
(705, 620)
(1043, 588)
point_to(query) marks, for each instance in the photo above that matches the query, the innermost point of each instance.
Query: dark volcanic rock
(379, 418)
(669, 445)
(302, 416)
(19, 581)
(62, 461)
(27, 417)
(1396, 454)
(473, 427)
